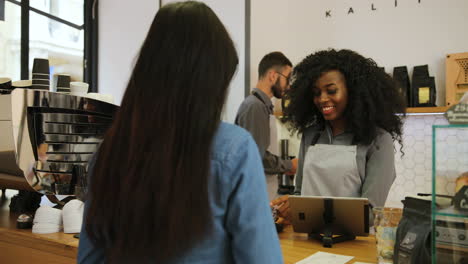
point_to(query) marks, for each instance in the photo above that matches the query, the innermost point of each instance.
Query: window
(10, 42)
(64, 32)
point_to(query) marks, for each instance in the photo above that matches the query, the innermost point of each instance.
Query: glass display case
(450, 194)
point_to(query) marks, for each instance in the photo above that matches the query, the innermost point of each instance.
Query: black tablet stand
(327, 238)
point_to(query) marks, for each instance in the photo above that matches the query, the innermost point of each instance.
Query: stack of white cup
(101, 97)
(72, 216)
(79, 88)
(47, 220)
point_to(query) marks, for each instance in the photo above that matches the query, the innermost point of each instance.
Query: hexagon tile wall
(414, 168)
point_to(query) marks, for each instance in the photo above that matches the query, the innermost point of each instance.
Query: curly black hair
(374, 99)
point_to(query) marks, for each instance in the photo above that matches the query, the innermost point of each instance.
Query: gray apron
(331, 170)
(272, 180)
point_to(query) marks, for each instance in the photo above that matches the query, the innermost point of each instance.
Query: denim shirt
(243, 226)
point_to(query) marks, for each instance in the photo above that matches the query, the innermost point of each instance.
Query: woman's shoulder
(231, 133)
(383, 140)
(230, 139)
(383, 137)
(311, 131)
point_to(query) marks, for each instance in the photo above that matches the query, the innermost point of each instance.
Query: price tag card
(325, 258)
(457, 114)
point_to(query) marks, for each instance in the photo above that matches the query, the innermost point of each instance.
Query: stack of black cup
(41, 74)
(5, 85)
(63, 83)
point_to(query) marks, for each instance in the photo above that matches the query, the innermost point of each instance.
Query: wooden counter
(22, 246)
(297, 246)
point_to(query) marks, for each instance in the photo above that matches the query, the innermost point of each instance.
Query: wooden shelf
(410, 110)
(420, 110)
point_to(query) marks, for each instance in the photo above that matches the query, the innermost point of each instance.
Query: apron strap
(319, 133)
(316, 138)
(259, 98)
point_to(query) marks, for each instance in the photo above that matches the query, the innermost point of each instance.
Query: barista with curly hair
(345, 106)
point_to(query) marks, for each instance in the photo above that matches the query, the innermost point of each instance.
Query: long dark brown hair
(149, 188)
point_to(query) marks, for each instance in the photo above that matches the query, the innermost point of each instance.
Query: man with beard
(256, 111)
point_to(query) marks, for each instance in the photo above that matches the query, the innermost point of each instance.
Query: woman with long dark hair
(346, 108)
(171, 183)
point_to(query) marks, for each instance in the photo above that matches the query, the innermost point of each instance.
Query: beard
(276, 90)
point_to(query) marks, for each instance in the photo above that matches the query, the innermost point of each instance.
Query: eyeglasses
(288, 78)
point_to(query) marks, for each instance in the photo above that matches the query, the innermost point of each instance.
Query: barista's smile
(326, 110)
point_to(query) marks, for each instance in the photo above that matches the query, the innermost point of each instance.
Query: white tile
(441, 151)
(419, 148)
(429, 120)
(428, 187)
(452, 164)
(428, 164)
(409, 121)
(398, 193)
(409, 175)
(462, 160)
(441, 134)
(428, 130)
(419, 170)
(441, 121)
(419, 159)
(462, 148)
(419, 123)
(428, 140)
(429, 179)
(399, 180)
(452, 153)
(441, 165)
(451, 132)
(399, 168)
(419, 134)
(420, 189)
(408, 141)
(409, 186)
(462, 135)
(452, 140)
(408, 162)
(420, 179)
(428, 152)
(409, 152)
(463, 167)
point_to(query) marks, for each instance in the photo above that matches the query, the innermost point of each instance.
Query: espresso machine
(47, 139)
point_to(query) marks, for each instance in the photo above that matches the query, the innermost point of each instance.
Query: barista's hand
(282, 204)
(293, 168)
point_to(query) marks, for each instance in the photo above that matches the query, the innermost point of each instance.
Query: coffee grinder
(285, 182)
